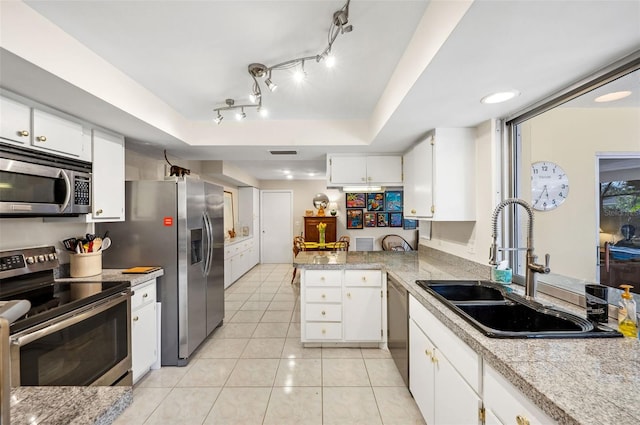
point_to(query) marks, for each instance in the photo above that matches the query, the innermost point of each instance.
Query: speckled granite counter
(115, 275)
(574, 381)
(68, 405)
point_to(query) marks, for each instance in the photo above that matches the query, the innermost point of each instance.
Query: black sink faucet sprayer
(531, 281)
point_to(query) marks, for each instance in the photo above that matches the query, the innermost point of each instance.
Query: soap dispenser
(627, 324)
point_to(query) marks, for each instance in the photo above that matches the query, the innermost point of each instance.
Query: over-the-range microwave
(38, 184)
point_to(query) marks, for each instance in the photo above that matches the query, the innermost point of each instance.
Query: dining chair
(298, 245)
(346, 241)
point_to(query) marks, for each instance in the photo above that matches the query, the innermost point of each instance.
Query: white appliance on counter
(177, 225)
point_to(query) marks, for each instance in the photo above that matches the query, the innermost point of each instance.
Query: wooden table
(317, 246)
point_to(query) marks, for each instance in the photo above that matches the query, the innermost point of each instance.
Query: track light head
(241, 115)
(218, 119)
(270, 84)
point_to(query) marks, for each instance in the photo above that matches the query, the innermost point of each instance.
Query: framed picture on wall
(409, 224)
(375, 201)
(395, 219)
(356, 200)
(369, 219)
(393, 201)
(382, 219)
(354, 219)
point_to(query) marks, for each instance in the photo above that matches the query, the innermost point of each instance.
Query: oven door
(89, 346)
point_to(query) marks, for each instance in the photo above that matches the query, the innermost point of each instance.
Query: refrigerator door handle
(209, 230)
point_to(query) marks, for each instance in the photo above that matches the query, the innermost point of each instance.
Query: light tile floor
(253, 370)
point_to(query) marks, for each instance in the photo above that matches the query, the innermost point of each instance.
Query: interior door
(276, 237)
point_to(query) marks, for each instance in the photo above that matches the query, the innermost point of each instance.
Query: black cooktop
(50, 299)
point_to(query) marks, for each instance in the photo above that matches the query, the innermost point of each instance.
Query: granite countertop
(115, 275)
(574, 381)
(68, 405)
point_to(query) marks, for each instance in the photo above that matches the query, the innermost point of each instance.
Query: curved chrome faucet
(531, 281)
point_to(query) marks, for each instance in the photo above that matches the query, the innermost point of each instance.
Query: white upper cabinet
(364, 170)
(108, 177)
(440, 176)
(15, 125)
(57, 135)
(24, 125)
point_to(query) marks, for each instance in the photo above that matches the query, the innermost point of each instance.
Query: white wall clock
(549, 185)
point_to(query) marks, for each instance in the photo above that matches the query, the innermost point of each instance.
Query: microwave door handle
(67, 196)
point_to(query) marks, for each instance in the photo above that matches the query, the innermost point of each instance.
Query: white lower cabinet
(341, 306)
(443, 371)
(144, 336)
(239, 258)
(362, 305)
(451, 383)
(505, 404)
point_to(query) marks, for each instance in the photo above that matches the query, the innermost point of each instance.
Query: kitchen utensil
(97, 244)
(70, 244)
(89, 237)
(106, 243)
(106, 235)
(78, 248)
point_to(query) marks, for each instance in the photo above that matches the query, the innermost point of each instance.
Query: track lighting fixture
(339, 25)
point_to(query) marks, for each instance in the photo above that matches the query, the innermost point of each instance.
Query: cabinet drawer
(362, 278)
(321, 331)
(143, 294)
(323, 312)
(323, 278)
(323, 295)
(507, 402)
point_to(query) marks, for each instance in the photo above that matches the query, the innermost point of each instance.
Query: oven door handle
(91, 311)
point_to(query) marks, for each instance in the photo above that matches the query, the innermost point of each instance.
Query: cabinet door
(56, 134)
(421, 372)
(362, 314)
(419, 181)
(455, 401)
(108, 177)
(143, 339)
(227, 273)
(15, 125)
(384, 169)
(348, 170)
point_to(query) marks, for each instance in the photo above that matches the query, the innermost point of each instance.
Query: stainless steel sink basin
(498, 313)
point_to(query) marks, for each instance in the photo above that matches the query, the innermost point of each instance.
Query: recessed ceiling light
(500, 97)
(289, 176)
(311, 174)
(286, 171)
(610, 97)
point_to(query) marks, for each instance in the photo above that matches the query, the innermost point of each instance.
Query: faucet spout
(532, 268)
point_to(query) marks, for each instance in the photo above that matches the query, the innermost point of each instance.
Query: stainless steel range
(74, 333)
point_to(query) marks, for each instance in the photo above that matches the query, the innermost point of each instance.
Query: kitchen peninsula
(573, 381)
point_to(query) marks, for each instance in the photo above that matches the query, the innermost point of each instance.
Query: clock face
(549, 185)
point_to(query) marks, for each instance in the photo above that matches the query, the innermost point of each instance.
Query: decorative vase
(321, 236)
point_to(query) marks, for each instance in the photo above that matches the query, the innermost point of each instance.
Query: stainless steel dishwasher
(398, 327)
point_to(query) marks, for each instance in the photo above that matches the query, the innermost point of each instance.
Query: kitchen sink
(466, 291)
(497, 312)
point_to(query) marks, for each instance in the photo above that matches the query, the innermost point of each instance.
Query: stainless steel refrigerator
(178, 225)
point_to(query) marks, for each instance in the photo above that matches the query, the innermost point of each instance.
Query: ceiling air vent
(284, 152)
